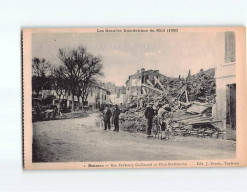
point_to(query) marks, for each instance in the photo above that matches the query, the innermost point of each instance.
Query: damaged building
(135, 83)
(203, 104)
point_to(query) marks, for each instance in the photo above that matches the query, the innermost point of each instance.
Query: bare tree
(81, 69)
(40, 70)
(89, 79)
(40, 67)
(59, 83)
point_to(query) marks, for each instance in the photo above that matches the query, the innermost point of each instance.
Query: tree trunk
(37, 93)
(59, 104)
(73, 103)
(82, 106)
(79, 105)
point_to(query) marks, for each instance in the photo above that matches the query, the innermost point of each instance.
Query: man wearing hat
(149, 114)
(107, 116)
(115, 118)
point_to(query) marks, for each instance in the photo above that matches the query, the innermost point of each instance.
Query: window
(229, 47)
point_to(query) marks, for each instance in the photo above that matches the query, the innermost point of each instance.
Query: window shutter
(230, 47)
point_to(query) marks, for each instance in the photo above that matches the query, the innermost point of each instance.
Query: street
(84, 140)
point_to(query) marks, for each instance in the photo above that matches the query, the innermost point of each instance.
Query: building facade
(225, 74)
(118, 98)
(135, 81)
(98, 97)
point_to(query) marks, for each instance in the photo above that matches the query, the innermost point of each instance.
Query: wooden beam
(144, 91)
(160, 84)
(204, 122)
(152, 88)
(195, 120)
(188, 117)
(150, 83)
(181, 91)
(186, 95)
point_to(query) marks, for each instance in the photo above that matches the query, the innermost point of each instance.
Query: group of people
(113, 114)
(162, 115)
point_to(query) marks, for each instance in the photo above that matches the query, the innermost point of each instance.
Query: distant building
(109, 86)
(98, 97)
(118, 94)
(135, 81)
(118, 98)
(225, 107)
(113, 88)
(69, 101)
(44, 93)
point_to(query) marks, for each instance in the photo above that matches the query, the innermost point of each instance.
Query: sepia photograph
(123, 96)
(132, 95)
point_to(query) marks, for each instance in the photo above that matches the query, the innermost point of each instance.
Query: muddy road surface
(84, 140)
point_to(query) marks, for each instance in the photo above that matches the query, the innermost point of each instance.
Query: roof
(138, 73)
(104, 89)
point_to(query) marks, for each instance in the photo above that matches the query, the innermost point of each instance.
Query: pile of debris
(200, 87)
(190, 100)
(133, 119)
(195, 121)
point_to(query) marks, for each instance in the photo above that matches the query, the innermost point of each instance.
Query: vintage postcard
(106, 98)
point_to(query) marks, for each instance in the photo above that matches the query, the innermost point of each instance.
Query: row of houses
(97, 98)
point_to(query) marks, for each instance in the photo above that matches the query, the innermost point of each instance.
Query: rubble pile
(132, 117)
(133, 120)
(187, 123)
(191, 117)
(200, 87)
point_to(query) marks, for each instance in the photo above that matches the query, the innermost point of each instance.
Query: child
(165, 124)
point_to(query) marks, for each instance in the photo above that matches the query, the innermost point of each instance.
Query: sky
(123, 54)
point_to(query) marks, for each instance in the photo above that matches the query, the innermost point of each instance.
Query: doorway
(231, 106)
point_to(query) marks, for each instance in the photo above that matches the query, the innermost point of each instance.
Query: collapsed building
(190, 99)
(135, 83)
(203, 104)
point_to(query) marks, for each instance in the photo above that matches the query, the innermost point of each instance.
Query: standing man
(38, 112)
(149, 114)
(115, 118)
(107, 117)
